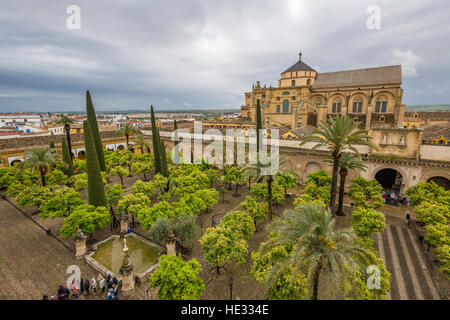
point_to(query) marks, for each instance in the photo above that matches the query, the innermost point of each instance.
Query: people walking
(407, 218)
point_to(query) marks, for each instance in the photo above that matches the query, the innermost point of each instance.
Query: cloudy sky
(205, 54)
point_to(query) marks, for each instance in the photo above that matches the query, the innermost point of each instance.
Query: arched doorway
(310, 168)
(14, 162)
(312, 119)
(121, 147)
(390, 179)
(82, 155)
(441, 181)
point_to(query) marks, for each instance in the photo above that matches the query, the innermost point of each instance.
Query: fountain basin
(107, 256)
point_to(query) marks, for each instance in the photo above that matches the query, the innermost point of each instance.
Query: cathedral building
(371, 96)
(410, 147)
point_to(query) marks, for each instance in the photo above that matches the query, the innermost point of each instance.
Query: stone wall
(16, 144)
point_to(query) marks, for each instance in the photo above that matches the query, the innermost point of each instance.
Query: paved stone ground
(33, 264)
(405, 259)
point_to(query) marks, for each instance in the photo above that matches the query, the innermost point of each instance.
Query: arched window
(381, 105)
(336, 107)
(285, 106)
(357, 105)
(318, 100)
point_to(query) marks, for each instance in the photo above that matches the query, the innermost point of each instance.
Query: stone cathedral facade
(372, 96)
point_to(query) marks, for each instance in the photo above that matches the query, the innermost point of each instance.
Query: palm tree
(42, 160)
(338, 134)
(127, 130)
(348, 161)
(142, 143)
(66, 122)
(318, 250)
(257, 172)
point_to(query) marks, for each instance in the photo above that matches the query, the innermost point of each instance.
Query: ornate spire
(300, 56)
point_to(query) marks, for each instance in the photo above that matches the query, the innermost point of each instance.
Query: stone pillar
(124, 224)
(126, 271)
(368, 116)
(170, 243)
(80, 244)
(400, 116)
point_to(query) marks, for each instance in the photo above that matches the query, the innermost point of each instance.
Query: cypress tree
(92, 118)
(67, 158)
(258, 124)
(155, 141)
(96, 189)
(175, 129)
(164, 169)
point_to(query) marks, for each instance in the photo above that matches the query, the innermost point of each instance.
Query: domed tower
(299, 75)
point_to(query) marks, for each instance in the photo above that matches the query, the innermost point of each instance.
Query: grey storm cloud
(206, 54)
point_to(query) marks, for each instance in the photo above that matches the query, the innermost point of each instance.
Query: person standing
(81, 286)
(73, 289)
(109, 281)
(114, 288)
(102, 284)
(94, 285)
(86, 287)
(110, 294)
(407, 218)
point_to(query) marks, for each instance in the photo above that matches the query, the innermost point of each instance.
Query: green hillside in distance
(439, 107)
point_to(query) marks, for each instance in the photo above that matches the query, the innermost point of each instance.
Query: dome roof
(299, 66)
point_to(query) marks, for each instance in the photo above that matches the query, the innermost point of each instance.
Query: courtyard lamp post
(230, 282)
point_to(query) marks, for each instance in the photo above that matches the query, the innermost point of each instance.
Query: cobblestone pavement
(405, 259)
(33, 264)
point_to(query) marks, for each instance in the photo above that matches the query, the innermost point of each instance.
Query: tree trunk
(218, 269)
(121, 181)
(142, 150)
(316, 282)
(269, 196)
(145, 177)
(43, 177)
(132, 220)
(69, 142)
(249, 184)
(334, 185)
(111, 210)
(236, 190)
(343, 173)
(128, 145)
